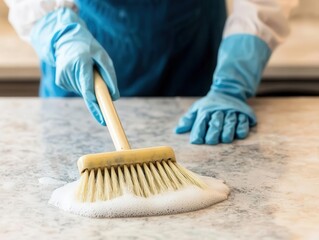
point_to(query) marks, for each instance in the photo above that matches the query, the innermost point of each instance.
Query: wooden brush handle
(109, 113)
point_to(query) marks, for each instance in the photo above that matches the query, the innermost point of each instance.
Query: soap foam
(184, 200)
(50, 181)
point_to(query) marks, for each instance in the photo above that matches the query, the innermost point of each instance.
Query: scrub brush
(143, 172)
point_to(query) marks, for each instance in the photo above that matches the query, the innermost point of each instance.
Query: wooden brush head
(125, 157)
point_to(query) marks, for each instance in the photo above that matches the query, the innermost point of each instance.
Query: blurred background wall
(292, 70)
(307, 8)
(19, 73)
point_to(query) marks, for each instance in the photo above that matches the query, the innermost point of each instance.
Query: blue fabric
(159, 48)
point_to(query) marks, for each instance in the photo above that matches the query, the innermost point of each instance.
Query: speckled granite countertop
(273, 175)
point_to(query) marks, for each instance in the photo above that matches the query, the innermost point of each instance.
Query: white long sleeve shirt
(266, 19)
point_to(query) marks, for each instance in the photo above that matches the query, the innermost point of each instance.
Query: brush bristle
(143, 180)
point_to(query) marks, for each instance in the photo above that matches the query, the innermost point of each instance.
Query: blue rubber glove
(223, 114)
(216, 118)
(62, 40)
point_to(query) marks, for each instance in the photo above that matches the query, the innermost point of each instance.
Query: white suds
(185, 200)
(50, 181)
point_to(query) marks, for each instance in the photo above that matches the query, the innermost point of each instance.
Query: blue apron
(158, 47)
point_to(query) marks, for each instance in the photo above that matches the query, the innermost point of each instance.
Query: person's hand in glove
(217, 118)
(223, 114)
(63, 41)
